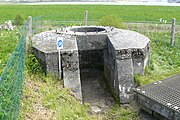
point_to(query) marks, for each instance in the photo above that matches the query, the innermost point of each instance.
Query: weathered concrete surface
(44, 46)
(118, 53)
(91, 42)
(71, 72)
(87, 59)
(137, 44)
(127, 54)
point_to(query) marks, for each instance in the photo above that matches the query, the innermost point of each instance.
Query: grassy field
(96, 12)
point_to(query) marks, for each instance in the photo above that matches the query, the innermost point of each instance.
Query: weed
(54, 101)
(32, 63)
(137, 79)
(121, 113)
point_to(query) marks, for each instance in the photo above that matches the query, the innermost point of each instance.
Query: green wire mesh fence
(11, 80)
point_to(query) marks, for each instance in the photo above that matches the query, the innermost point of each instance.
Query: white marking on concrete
(169, 104)
(139, 64)
(138, 89)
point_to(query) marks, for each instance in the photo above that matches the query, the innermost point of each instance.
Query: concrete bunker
(111, 53)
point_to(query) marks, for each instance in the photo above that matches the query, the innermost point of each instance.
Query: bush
(137, 79)
(113, 21)
(32, 63)
(18, 20)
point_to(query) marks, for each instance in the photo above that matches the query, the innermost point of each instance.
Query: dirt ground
(32, 102)
(95, 91)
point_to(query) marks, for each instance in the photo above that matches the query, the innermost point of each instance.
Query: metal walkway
(162, 97)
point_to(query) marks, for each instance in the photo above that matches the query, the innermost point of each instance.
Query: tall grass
(164, 59)
(45, 98)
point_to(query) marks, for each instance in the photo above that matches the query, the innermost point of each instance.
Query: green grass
(96, 12)
(8, 42)
(164, 60)
(45, 98)
(122, 113)
(47, 94)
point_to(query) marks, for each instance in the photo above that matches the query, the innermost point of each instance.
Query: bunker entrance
(91, 61)
(94, 88)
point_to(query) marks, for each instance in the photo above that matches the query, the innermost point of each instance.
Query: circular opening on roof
(87, 29)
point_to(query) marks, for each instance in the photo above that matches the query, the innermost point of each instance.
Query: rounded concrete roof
(121, 39)
(125, 39)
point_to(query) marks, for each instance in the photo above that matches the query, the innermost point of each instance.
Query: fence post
(85, 17)
(30, 27)
(29, 32)
(173, 31)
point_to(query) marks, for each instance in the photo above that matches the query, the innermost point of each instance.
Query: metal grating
(165, 92)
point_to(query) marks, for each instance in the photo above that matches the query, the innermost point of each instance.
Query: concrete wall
(110, 68)
(71, 72)
(91, 49)
(125, 75)
(91, 59)
(118, 71)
